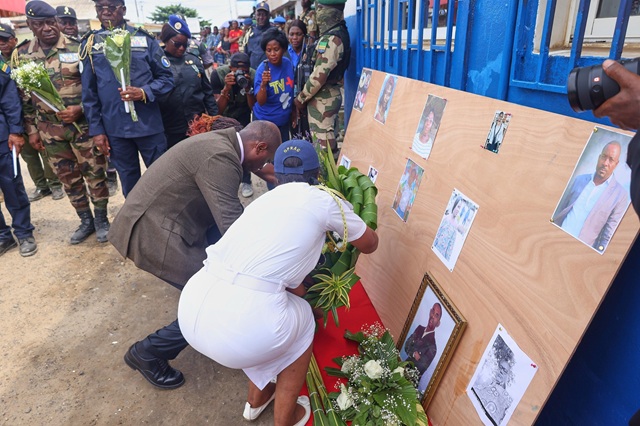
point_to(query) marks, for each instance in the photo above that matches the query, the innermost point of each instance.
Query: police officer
(71, 152)
(235, 101)
(68, 21)
(113, 129)
(15, 196)
(252, 48)
(321, 93)
(44, 179)
(192, 94)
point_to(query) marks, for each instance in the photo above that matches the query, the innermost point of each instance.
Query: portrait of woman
(407, 189)
(384, 99)
(428, 126)
(454, 228)
(501, 379)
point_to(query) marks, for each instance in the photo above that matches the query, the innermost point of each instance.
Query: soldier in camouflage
(72, 154)
(308, 16)
(321, 94)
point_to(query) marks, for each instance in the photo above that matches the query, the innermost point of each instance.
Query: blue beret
(247, 21)
(280, 20)
(38, 9)
(179, 25)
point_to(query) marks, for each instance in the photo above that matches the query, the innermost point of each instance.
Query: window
(602, 20)
(410, 13)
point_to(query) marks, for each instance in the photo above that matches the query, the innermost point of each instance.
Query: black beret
(38, 9)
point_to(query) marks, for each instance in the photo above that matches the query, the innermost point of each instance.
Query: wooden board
(516, 267)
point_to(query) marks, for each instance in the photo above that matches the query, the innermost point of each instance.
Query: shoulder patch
(165, 62)
(322, 45)
(5, 68)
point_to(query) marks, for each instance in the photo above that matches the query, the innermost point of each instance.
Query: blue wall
(601, 384)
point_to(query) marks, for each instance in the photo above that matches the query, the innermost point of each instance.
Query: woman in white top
(244, 308)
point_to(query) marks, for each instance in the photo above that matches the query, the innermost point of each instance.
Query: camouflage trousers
(74, 159)
(322, 111)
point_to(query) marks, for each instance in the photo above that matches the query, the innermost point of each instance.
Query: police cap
(66, 12)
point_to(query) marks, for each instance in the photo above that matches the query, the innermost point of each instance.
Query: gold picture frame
(423, 339)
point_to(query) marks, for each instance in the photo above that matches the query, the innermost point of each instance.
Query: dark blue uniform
(105, 111)
(191, 96)
(15, 196)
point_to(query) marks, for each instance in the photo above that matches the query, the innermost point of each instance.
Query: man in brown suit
(183, 203)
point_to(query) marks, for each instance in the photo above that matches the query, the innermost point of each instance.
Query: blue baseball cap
(301, 149)
(179, 25)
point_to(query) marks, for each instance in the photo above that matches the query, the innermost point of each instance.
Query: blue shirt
(10, 110)
(103, 107)
(277, 109)
(295, 57)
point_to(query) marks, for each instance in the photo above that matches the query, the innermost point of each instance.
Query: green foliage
(161, 13)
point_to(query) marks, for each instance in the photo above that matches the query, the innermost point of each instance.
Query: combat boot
(86, 227)
(102, 225)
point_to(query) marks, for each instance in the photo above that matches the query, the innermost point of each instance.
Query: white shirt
(589, 196)
(280, 235)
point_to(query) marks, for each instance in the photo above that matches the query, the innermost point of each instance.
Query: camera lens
(590, 87)
(241, 79)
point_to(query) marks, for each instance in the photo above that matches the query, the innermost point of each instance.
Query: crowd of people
(203, 114)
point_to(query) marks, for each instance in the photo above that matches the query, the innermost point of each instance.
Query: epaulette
(145, 32)
(87, 34)
(72, 38)
(23, 43)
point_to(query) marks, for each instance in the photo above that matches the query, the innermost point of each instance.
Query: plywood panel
(516, 267)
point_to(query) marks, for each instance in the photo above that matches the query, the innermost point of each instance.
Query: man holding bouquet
(124, 72)
(54, 118)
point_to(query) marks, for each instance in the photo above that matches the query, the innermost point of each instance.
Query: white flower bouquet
(380, 389)
(117, 50)
(32, 78)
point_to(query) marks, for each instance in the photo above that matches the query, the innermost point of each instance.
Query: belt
(240, 279)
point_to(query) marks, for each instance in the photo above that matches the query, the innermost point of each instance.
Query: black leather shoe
(39, 194)
(7, 245)
(28, 246)
(157, 371)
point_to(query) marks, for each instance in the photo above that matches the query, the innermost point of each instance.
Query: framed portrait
(385, 97)
(363, 87)
(428, 126)
(597, 194)
(430, 335)
(503, 375)
(497, 131)
(454, 228)
(407, 189)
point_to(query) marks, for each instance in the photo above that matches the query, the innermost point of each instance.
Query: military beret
(66, 12)
(291, 13)
(280, 20)
(6, 31)
(247, 21)
(331, 2)
(179, 25)
(38, 9)
(264, 6)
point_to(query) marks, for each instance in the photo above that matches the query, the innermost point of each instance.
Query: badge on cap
(66, 10)
(178, 25)
(165, 62)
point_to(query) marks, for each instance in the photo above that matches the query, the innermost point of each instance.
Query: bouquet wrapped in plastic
(32, 78)
(117, 50)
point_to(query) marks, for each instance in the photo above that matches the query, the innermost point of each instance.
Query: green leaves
(331, 291)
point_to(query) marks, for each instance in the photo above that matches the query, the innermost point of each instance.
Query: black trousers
(168, 342)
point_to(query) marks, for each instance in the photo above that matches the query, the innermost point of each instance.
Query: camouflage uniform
(72, 154)
(322, 91)
(309, 19)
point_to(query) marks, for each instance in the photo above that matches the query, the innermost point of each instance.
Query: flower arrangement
(32, 78)
(380, 389)
(117, 50)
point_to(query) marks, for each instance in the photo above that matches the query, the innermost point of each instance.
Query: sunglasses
(103, 9)
(178, 45)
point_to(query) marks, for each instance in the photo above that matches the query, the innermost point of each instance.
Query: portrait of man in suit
(594, 203)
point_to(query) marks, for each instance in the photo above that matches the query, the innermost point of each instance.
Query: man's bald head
(260, 139)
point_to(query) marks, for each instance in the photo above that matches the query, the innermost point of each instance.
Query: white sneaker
(246, 190)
